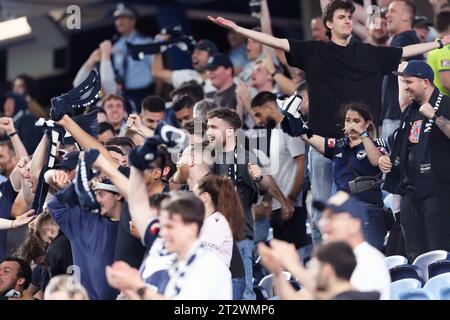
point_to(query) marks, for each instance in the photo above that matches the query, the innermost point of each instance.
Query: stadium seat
(406, 271)
(267, 284)
(393, 261)
(438, 267)
(415, 294)
(401, 286)
(424, 260)
(438, 286)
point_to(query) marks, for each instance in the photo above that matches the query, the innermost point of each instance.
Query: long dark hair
(226, 201)
(364, 111)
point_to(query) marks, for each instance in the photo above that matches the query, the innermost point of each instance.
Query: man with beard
(378, 31)
(203, 50)
(287, 164)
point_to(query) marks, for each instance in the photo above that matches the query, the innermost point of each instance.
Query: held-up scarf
(425, 182)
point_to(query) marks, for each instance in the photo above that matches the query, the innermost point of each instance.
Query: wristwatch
(441, 44)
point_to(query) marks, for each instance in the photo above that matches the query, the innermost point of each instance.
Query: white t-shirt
(216, 236)
(371, 273)
(205, 278)
(180, 76)
(283, 150)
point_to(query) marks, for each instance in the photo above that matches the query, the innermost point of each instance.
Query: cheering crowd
(310, 161)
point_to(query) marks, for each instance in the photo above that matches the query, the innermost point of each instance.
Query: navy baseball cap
(217, 60)
(342, 202)
(68, 162)
(417, 68)
(207, 45)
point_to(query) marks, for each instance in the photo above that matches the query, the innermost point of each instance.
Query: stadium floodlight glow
(14, 28)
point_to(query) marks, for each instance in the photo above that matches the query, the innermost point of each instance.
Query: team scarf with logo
(80, 97)
(425, 183)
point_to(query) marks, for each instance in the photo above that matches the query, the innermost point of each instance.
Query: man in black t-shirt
(400, 18)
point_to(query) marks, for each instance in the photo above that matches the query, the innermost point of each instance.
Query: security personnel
(419, 166)
(354, 156)
(134, 77)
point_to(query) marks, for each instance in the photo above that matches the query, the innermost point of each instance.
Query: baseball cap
(217, 60)
(68, 162)
(207, 45)
(421, 21)
(343, 202)
(417, 68)
(122, 11)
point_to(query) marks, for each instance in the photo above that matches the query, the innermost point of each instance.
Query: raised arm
(268, 40)
(138, 203)
(7, 124)
(421, 48)
(117, 178)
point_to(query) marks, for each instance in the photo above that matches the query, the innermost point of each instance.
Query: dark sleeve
(152, 233)
(300, 53)
(36, 276)
(382, 145)
(330, 144)
(387, 58)
(7, 194)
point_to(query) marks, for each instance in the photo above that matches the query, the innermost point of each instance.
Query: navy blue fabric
(390, 108)
(7, 197)
(93, 241)
(340, 152)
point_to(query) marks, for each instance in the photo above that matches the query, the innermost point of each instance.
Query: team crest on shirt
(415, 131)
(361, 154)
(445, 63)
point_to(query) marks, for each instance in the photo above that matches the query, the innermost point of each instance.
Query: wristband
(12, 134)
(434, 118)
(259, 178)
(441, 44)
(274, 74)
(363, 135)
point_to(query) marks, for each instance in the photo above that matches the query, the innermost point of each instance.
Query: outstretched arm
(421, 48)
(261, 37)
(138, 203)
(85, 140)
(117, 178)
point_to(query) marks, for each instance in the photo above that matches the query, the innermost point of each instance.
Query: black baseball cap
(68, 162)
(217, 60)
(421, 21)
(207, 45)
(417, 68)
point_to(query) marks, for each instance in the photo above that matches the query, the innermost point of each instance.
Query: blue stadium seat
(267, 284)
(393, 261)
(438, 286)
(424, 260)
(406, 271)
(401, 286)
(415, 294)
(438, 267)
